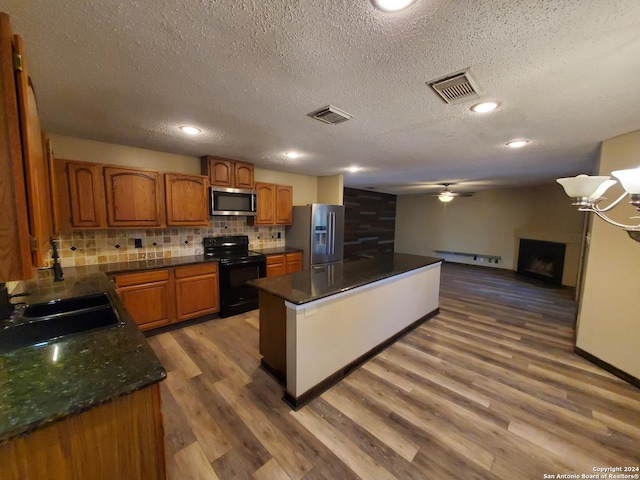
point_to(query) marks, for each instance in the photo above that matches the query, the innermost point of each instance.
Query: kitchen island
(318, 325)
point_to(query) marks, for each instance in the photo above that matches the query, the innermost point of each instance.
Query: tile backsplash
(90, 247)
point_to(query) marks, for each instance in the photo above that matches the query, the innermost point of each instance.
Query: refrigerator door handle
(333, 233)
(328, 249)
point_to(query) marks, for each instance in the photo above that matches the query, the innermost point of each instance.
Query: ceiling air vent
(456, 88)
(331, 114)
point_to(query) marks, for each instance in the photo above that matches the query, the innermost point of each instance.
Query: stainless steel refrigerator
(318, 230)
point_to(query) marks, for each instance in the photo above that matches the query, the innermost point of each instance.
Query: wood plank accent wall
(369, 222)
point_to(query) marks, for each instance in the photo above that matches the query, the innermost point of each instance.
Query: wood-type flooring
(488, 389)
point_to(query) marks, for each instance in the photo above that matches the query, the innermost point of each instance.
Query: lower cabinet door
(276, 265)
(148, 297)
(294, 262)
(197, 290)
(197, 296)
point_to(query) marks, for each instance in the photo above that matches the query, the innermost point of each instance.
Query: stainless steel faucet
(58, 276)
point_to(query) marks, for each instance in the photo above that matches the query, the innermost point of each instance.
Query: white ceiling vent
(331, 114)
(456, 88)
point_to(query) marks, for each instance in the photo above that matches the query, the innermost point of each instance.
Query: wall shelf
(475, 256)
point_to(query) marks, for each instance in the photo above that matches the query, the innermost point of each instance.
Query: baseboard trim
(278, 375)
(608, 367)
(298, 402)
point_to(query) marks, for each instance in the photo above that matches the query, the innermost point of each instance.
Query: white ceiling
(249, 71)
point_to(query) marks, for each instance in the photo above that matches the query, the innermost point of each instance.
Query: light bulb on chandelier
(586, 192)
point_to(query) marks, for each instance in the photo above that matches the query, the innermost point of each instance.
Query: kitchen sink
(66, 305)
(41, 323)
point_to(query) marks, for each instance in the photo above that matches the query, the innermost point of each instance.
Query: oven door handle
(243, 262)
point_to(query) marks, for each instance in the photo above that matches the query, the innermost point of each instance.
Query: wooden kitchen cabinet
(274, 204)
(284, 263)
(134, 197)
(119, 439)
(276, 265)
(148, 296)
(36, 167)
(265, 204)
(197, 291)
(284, 205)
(243, 175)
(223, 172)
(80, 201)
(293, 262)
(155, 298)
(25, 223)
(86, 192)
(186, 199)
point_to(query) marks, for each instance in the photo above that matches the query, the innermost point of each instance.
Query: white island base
(328, 338)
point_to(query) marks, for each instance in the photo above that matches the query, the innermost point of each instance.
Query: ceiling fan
(446, 195)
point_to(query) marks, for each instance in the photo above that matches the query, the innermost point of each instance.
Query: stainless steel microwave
(232, 201)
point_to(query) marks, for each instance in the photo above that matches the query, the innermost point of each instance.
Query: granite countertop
(44, 383)
(124, 267)
(326, 280)
(277, 250)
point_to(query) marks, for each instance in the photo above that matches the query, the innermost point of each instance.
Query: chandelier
(586, 192)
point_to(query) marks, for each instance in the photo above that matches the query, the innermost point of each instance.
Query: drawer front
(141, 277)
(274, 259)
(294, 257)
(196, 270)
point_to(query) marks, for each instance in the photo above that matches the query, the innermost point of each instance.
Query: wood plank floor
(487, 389)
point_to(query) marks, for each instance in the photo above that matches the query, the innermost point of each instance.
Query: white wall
(71, 148)
(305, 189)
(491, 223)
(609, 314)
(331, 189)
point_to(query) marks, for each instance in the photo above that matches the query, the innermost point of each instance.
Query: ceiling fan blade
(453, 194)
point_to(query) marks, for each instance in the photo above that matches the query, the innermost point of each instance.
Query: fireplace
(542, 260)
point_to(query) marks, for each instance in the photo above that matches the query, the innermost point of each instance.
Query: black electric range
(237, 265)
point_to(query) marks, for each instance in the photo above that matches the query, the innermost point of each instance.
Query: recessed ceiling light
(190, 130)
(353, 169)
(391, 5)
(485, 107)
(517, 143)
(292, 154)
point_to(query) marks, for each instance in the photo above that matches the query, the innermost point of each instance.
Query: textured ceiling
(249, 71)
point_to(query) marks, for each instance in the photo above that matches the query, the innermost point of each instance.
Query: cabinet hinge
(34, 243)
(18, 65)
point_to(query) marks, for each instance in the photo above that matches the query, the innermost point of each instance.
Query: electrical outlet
(137, 242)
(279, 234)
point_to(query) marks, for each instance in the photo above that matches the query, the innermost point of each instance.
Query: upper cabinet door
(284, 205)
(266, 204)
(223, 172)
(35, 164)
(187, 198)
(219, 170)
(15, 252)
(243, 175)
(86, 195)
(133, 197)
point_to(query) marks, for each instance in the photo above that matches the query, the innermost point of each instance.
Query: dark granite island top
(325, 280)
(42, 384)
(277, 250)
